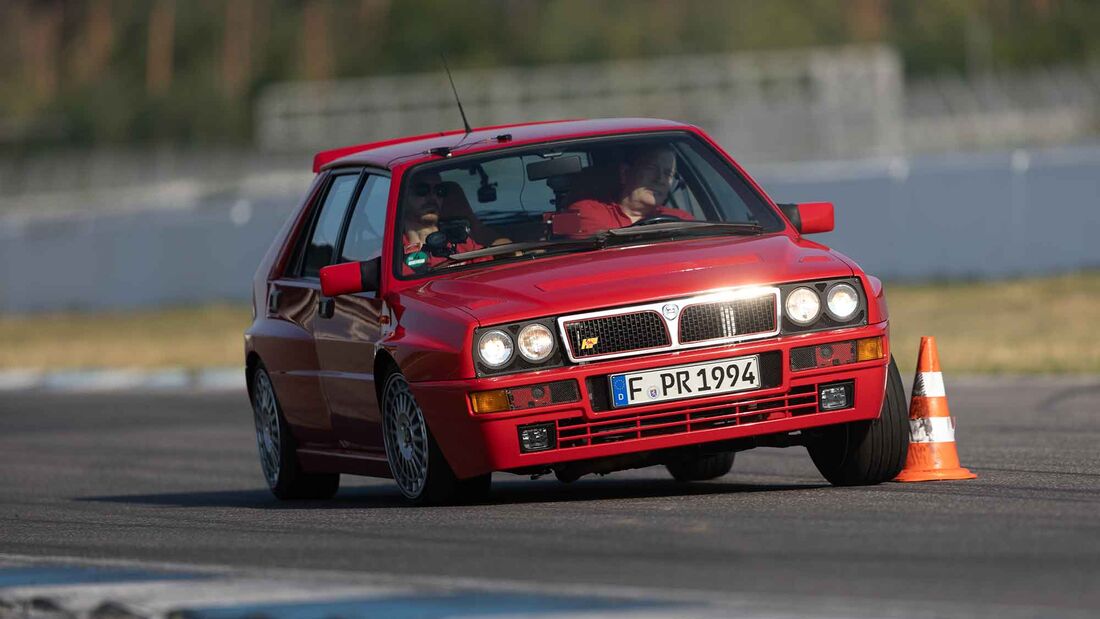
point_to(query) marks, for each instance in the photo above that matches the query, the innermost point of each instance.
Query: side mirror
(350, 277)
(810, 217)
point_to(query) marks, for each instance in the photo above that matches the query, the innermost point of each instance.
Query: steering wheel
(656, 219)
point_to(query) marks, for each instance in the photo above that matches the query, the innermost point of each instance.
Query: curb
(206, 380)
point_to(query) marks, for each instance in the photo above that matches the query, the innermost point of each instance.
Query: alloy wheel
(266, 414)
(406, 437)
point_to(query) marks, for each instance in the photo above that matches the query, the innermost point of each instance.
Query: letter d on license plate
(685, 381)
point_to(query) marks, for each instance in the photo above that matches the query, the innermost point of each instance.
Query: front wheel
(863, 453)
(278, 456)
(418, 466)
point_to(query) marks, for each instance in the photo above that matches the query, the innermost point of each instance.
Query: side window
(368, 221)
(322, 244)
(681, 195)
(731, 194)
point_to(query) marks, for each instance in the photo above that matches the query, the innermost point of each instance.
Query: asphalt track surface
(174, 478)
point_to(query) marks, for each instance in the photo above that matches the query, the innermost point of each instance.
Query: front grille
(578, 432)
(613, 334)
(564, 391)
(711, 321)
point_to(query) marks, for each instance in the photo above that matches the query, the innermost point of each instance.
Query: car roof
(386, 153)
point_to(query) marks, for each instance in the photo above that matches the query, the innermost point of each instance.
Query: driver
(420, 218)
(645, 179)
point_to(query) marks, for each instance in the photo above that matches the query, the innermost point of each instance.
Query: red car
(567, 297)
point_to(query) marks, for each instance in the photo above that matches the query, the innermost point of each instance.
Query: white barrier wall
(777, 105)
(954, 216)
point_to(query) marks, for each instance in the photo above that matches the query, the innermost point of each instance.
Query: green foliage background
(370, 37)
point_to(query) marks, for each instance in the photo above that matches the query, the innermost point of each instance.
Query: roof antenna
(465, 122)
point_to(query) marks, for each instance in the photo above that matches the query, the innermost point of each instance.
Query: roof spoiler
(326, 157)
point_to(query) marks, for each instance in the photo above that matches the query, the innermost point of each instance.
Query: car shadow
(505, 492)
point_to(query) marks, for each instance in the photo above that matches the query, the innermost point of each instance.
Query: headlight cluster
(518, 346)
(823, 305)
(495, 348)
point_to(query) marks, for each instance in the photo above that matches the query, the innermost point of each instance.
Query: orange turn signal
(490, 401)
(869, 348)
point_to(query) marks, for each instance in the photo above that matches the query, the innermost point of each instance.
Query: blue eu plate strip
(618, 390)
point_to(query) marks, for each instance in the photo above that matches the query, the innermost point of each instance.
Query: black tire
(277, 450)
(422, 473)
(701, 468)
(864, 453)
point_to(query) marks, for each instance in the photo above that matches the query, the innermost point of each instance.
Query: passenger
(420, 218)
(645, 181)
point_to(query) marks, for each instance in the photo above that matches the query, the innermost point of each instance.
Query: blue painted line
(424, 607)
(61, 575)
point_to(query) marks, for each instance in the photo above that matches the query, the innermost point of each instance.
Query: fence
(774, 106)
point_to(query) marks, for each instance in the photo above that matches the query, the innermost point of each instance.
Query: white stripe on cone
(929, 385)
(932, 430)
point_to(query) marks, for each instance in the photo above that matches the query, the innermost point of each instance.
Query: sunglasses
(421, 190)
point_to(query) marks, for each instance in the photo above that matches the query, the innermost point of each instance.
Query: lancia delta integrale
(560, 298)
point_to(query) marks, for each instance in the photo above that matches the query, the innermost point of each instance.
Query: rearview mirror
(556, 166)
(350, 277)
(810, 217)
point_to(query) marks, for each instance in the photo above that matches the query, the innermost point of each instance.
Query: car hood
(618, 276)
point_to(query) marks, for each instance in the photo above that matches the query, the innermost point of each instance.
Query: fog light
(537, 437)
(490, 401)
(835, 397)
(527, 396)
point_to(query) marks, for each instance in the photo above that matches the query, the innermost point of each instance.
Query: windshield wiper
(604, 239)
(685, 228)
(524, 248)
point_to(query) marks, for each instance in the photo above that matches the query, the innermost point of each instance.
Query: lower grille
(613, 334)
(711, 321)
(577, 432)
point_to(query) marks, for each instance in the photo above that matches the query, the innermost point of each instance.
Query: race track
(173, 479)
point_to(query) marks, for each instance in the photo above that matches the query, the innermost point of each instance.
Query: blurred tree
(237, 46)
(92, 52)
(316, 40)
(159, 57)
(110, 71)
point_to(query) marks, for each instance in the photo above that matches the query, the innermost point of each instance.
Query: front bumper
(476, 444)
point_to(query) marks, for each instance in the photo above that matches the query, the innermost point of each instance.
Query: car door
(348, 328)
(292, 299)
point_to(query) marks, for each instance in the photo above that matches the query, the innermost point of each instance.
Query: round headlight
(841, 301)
(536, 342)
(494, 348)
(803, 306)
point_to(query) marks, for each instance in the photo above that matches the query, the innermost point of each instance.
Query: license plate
(685, 381)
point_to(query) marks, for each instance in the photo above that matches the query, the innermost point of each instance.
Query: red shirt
(596, 216)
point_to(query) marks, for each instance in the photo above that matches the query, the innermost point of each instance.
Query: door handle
(326, 307)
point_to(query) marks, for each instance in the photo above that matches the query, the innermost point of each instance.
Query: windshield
(527, 203)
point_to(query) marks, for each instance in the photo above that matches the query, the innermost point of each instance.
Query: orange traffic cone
(932, 452)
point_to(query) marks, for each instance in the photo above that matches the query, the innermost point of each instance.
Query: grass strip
(1036, 325)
